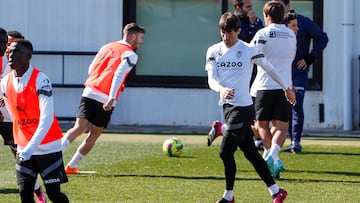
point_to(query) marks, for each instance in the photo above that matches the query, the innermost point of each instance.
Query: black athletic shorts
(7, 133)
(272, 105)
(93, 111)
(49, 166)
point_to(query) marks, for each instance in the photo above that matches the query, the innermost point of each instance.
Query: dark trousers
(297, 122)
(239, 134)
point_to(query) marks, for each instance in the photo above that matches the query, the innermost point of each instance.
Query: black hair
(16, 34)
(229, 22)
(289, 17)
(26, 43)
(2, 31)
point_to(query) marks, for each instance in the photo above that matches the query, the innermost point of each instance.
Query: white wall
(86, 25)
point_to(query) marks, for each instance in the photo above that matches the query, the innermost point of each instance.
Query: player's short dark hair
(15, 34)
(275, 10)
(289, 17)
(3, 36)
(133, 28)
(229, 22)
(26, 43)
(2, 31)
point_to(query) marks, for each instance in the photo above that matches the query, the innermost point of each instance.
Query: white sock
(223, 129)
(274, 151)
(228, 195)
(266, 153)
(273, 189)
(37, 185)
(75, 159)
(64, 143)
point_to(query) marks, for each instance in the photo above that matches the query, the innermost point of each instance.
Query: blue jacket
(307, 30)
(249, 30)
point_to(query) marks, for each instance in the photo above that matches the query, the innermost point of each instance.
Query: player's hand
(301, 64)
(23, 155)
(227, 93)
(108, 105)
(252, 16)
(290, 96)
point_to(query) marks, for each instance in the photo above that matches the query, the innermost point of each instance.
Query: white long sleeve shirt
(278, 44)
(4, 111)
(232, 67)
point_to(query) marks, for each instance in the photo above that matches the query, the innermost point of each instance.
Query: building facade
(168, 86)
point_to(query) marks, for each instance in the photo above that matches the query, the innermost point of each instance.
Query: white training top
(278, 44)
(232, 67)
(4, 110)
(124, 67)
(46, 106)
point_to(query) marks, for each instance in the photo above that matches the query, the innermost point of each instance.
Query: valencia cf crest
(238, 54)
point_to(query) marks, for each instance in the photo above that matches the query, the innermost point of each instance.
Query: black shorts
(49, 166)
(7, 133)
(238, 119)
(93, 111)
(272, 105)
(238, 132)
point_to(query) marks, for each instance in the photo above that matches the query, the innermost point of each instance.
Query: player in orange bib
(37, 133)
(107, 75)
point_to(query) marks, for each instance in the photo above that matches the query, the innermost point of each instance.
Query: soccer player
(107, 74)
(249, 25)
(308, 32)
(37, 133)
(229, 66)
(278, 43)
(6, 124)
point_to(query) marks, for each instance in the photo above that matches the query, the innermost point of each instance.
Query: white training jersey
(278, 44)
(4, 111)
(232, 67)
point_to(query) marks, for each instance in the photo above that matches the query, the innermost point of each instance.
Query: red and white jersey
(278, 44)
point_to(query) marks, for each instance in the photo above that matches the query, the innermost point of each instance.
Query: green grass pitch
(133, 168)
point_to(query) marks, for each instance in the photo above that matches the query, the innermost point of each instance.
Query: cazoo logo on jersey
(28, 121)
(229, 64)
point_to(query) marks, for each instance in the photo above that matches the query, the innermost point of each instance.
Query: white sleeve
(128, 61)
(46, 106)
(269, 68)
(210, 67)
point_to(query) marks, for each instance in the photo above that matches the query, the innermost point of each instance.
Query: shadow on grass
(325, 172)
(9, 191)
(330, 153)
(238, 178)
